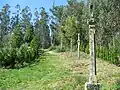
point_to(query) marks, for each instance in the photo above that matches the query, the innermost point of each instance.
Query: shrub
(14, 57)
(58, 49)
(8, 57)
(82, 47)
(74, 48)
(16, 38)
(52, 48)
(87, 49)
(29, 34)
(35, 45)
(25, 55)
(22, 54)
(110, 54)
(97, 51)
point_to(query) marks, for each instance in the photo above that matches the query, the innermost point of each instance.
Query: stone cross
(78, 46)
(92, 84)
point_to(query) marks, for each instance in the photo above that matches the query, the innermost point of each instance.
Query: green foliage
(14, 57)
(73, 18)
(52, 48)
(35, 44)
(65, 23)
(29, 34)
(26, 16)
(58, 49)
(117, 85)
(82, 47)
(16, 39)
(24, 54)
(108, 54)
(8, 57)
(87, 49)
(41, 28)
(4, 24)
(70, 29)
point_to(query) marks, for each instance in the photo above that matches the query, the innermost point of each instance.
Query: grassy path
(58, 71)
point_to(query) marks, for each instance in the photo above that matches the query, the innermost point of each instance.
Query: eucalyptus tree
(45, 32)
(41, 27)
(37, 30)
(57, 21)
(15, 19)
(79, 10)
(4, 23)
(29, 34)
(26, 17)
(70, 29)
(60, 14)
(16, 39)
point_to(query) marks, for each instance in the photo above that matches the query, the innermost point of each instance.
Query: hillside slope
(59, 71)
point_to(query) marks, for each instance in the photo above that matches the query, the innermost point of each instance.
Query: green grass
(48, 74)
(59, 71)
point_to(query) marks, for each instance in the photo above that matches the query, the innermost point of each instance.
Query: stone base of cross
(93, 86)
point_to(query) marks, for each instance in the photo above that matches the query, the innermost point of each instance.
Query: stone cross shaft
(92, 77)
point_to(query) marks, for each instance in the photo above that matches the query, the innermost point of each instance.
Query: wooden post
(109, 53)
(113, 42)
(100, 50)
(71, 46)
(61, 46)
(78, 46)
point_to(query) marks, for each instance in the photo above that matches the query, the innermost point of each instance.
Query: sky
(32, 3)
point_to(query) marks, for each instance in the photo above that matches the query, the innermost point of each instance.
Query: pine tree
(16, 39)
